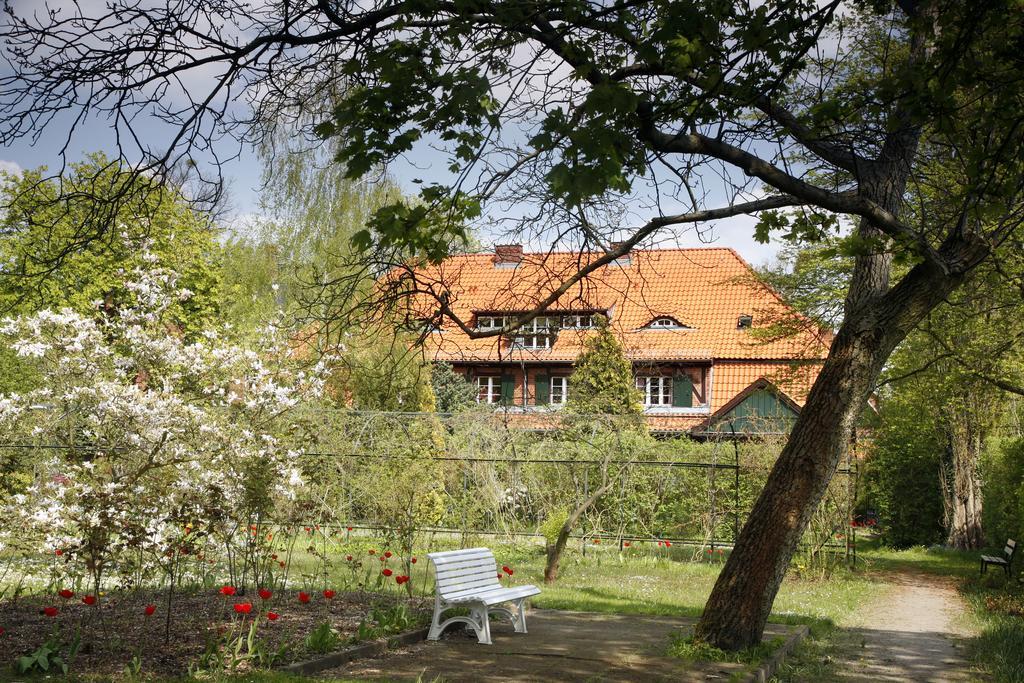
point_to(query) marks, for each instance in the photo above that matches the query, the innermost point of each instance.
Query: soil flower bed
(118, 632)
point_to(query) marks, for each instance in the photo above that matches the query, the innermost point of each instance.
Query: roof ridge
(562, 252)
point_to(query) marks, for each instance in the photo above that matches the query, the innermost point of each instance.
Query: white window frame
(664, 323)
(562, 394)
(488, 389)
(494, 322)
(578, 321)
(536, 334)
(657, 390)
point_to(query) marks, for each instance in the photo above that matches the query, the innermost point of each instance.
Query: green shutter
(541, 390)
(508, 389)
(682, 391)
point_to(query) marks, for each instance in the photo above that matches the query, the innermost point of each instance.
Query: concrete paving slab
(560, 646)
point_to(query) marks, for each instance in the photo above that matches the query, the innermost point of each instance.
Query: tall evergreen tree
(602, 378)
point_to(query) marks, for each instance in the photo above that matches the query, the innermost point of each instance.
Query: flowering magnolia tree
(154, 445)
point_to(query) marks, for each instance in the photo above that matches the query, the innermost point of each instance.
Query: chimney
(508, 255)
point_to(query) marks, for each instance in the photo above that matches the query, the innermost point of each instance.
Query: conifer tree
(602, 380)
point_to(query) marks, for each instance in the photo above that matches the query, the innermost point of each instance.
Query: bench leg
(520, 622)
(483, 635)
(477, 620)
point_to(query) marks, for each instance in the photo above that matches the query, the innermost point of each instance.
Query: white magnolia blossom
(151, 429)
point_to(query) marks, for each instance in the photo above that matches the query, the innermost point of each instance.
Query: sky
(243, 182)
(95, 134)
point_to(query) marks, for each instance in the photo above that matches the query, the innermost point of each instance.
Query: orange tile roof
(730, 378)
(706, 289)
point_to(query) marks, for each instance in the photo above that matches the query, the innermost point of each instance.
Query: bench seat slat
(497, 596)
(478, 585)
(487, 593)
(475, 581)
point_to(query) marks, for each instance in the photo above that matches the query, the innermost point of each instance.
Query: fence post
(586, 494)
(736, 492)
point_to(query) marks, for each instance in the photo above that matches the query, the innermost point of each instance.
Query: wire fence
(473, 476)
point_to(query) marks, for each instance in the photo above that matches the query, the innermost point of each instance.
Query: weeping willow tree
(280, 260)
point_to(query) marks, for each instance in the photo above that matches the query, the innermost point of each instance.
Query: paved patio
(561, 646)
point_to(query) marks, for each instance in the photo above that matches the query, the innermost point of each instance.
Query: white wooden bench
(469, 579)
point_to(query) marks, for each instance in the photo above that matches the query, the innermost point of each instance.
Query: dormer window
(745, 322)
(490, 322)
(537, 334)
(583, 321)
(665, 323)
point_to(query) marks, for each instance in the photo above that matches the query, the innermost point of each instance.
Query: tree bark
(554, 554)
(740, 603)
(964, 500)
(554, 550)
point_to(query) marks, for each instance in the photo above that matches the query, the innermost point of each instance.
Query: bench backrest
(1010, 549)
(464, 572)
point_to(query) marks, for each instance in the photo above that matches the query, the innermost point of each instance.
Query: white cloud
(11, 167)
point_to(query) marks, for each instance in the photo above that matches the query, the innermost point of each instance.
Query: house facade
(699, 328)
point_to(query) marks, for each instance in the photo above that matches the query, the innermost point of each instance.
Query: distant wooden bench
(469, 579)
(1005, 561)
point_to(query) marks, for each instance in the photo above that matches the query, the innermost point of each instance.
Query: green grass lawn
(637, 583)
(648, 581)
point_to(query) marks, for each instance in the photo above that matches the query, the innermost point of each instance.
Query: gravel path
(913, 632)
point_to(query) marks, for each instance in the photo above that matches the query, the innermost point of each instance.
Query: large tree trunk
(738, 608)
(963, 491)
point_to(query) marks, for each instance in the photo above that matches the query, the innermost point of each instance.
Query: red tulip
(50, 611)
(274, 556)
(149, 610)
(413, 560)
(89, 599)
(58, 552)
(272, 616)
(303, 597)
(659, 544)
(500, 577)
(281, 564)
(668, 544)
(507, 569)
(265, 594)
(387, 572)
(626, 544)
(328, 594)
(350, 528)
(387, 553)
(227, 590)
(243, 607)
(348, 558)
(67, 594)
(708, 551)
